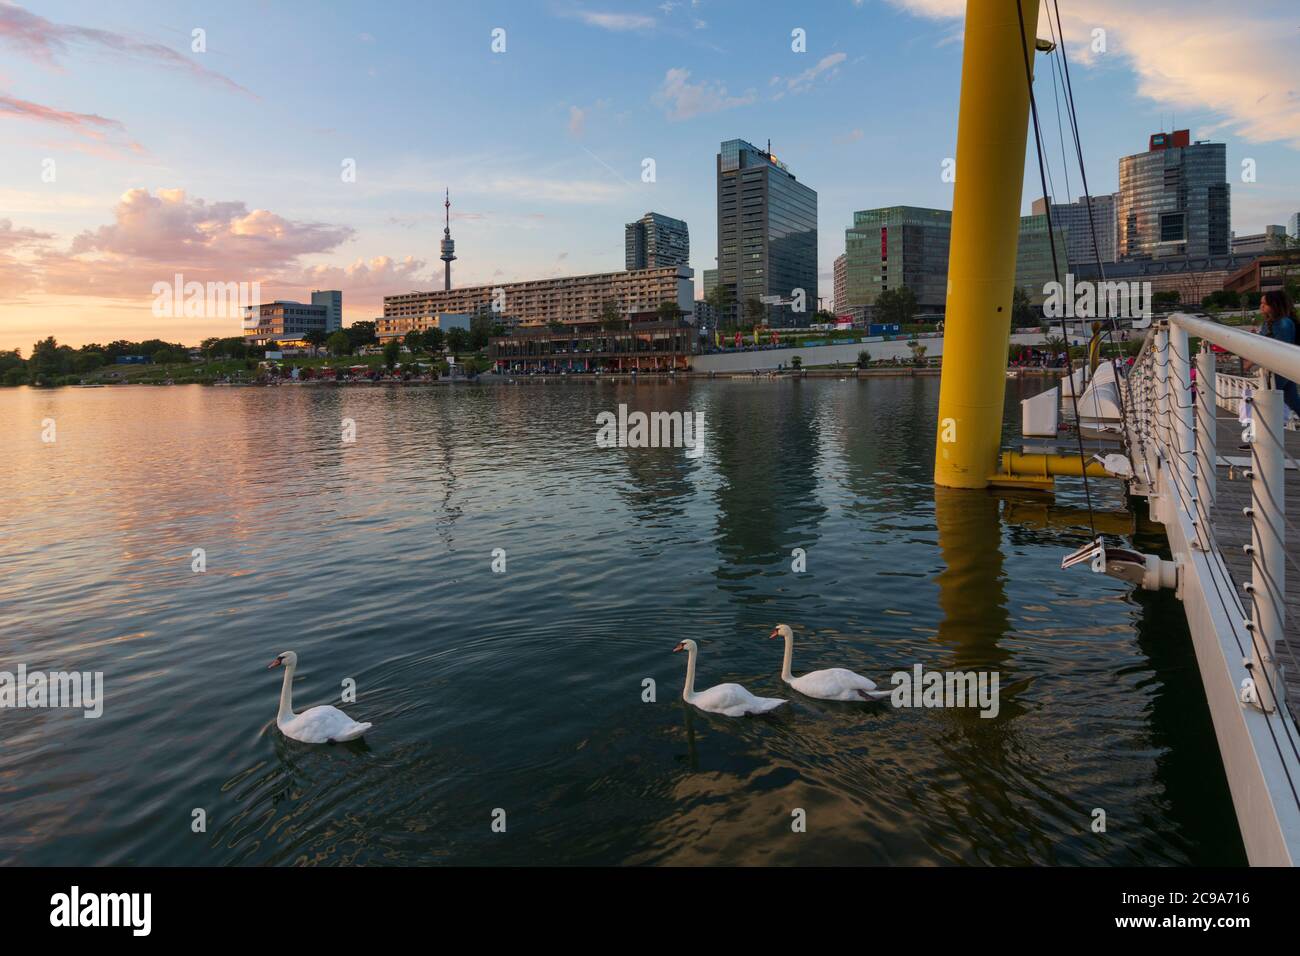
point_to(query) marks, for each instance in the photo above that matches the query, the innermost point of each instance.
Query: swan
(731, 700)
(835, 683)
(319, 725)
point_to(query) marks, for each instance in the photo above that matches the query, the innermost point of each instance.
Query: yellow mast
(992, 130)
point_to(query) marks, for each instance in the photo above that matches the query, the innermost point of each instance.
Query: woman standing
(1280, 324)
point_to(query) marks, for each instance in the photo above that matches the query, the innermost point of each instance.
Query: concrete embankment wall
(879, 350)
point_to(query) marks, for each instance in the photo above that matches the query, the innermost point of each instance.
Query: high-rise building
(710, 281)
(332, 300)
(1074, 219)
(767, 235)
(895, 246)
(1035, 267)
(654, 241)
(1174, 199)
(1293, 227)
(839, 288)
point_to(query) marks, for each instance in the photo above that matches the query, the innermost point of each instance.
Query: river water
(518, 697)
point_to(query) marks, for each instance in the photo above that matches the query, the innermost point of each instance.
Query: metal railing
(1173, 425)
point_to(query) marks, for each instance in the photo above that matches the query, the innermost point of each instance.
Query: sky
(133, 148)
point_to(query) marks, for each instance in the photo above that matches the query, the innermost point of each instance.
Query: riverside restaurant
(585, 346)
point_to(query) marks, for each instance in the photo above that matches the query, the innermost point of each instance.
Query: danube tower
(448, 244)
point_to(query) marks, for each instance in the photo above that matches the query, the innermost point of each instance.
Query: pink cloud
(92, 125)
(45, 41)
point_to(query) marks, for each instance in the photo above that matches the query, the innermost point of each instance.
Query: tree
(434, 339)
(755, 311)
(864, 358)
(361, 333)
(1164, 301)
(796, 362)
(896, 306)
(720, 298)
(339, 343)
(457, 340)
(481, 325)
(414, 340)
(611, 317)
(1022, 312)
(44, 363)
(392, 352)
(669, 311)
(316, 338)
(918, 352)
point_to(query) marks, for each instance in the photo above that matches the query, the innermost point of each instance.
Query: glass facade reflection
(898, 246)
(767, 233)
(1174, 200)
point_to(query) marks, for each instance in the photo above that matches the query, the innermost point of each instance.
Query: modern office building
(767, 234)
(710, 281)
(897, 246)
(397, 328)
(567, 299)
(1035, 267)
(1272, 239)
(839, 288)
(654, 241)
(1174, 200)
(1074, 219)
(284, 322)
(1193, 278)
(1293, 226)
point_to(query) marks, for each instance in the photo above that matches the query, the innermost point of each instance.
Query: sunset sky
(126, 156)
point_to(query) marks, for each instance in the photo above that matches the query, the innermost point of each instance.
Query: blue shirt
(1281, 330)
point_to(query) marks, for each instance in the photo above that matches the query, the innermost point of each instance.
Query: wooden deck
(1232, 531)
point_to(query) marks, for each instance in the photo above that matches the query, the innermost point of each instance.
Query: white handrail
(1279, 357)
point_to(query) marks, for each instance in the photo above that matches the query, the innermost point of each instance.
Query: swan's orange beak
(680, 647)
(274, 663)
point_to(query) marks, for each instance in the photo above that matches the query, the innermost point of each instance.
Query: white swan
(835, 683)
(319, 725)
(731, 700)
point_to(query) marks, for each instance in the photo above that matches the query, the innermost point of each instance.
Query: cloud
(153, 236)
(1189, 55)
(827, 65)
(17, 275)
(45, 42)
(90, 125)
(577, 118)
(684, 100)
(618, 22)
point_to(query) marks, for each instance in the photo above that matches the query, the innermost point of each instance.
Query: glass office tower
(1174, 200)
(767, 235)
(655, 241)
(898, 246)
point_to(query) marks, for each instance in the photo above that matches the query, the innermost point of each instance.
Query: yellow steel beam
(992, 128)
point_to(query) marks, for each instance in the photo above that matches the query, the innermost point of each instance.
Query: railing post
(1207, 404)
(1161, 423)
(1182, 422)
(1268, 554)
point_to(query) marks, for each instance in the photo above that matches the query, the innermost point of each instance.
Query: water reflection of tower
(448, 244)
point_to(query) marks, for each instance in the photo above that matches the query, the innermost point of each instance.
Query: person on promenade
(1280, 325)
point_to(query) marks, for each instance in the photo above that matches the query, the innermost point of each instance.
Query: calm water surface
(523, 690)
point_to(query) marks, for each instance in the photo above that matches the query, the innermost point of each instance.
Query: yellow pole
(992, 128)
